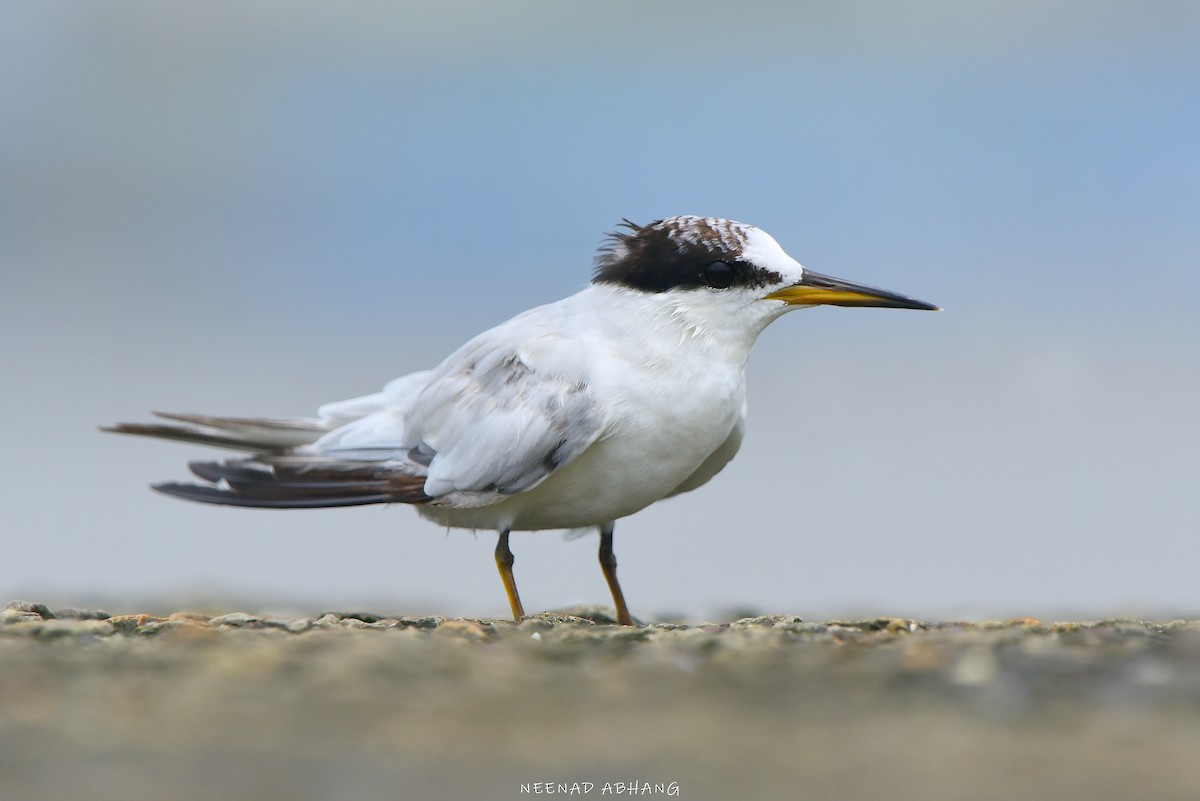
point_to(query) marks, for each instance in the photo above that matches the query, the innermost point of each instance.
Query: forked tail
(283, 473)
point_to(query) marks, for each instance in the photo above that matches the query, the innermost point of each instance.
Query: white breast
(671, 398)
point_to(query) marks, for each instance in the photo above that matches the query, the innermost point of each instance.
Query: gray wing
(502, 413)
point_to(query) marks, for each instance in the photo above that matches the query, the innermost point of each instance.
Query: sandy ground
(354, 706)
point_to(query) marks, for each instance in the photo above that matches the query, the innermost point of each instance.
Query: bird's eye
(718, 275)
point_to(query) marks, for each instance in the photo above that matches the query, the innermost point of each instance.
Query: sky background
(255, 208)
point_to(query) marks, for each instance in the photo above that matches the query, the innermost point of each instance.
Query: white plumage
(570, 415)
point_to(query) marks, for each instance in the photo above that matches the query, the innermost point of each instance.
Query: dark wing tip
(251, 483)
(223, 497)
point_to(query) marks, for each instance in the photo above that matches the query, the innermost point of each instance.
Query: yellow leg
(608, 563)
(504, 561)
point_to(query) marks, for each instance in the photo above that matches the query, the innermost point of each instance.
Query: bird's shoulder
(507, 408)
(546, 343)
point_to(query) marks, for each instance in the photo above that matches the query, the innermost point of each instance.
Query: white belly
(661, 432)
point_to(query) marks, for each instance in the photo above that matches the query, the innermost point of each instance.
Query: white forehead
(760, 249)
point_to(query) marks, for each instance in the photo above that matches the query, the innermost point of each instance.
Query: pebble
(41, 610)
(469, 630)
(129, 624)
(10, 616)
(365, 617)
(75, 629)
(238, 620)
(765, 621)
(81, 614)
(150, 628)
(244, 620)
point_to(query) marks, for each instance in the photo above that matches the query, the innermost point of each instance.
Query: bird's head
(728, 270)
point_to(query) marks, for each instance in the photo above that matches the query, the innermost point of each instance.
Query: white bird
(570, 415)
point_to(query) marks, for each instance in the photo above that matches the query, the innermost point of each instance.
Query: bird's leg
(608, 563)
(504, 561)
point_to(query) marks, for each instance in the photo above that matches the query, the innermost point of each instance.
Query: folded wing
(496, 418)
(499, 420)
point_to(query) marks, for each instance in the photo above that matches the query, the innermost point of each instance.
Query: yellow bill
(815, 289)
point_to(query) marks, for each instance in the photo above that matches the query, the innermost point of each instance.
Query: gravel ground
(359, 706)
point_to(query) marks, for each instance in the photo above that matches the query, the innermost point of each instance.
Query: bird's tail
(283, 473)
(257, 435)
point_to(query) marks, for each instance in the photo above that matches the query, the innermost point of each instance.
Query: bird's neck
(667, 325)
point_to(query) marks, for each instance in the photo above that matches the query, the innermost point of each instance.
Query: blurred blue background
(253, 209)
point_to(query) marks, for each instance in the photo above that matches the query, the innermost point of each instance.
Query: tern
(571, 415)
